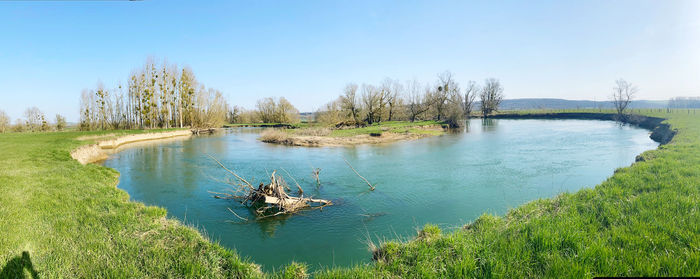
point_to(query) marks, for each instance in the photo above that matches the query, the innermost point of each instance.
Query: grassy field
(61, 219)
(644, 220)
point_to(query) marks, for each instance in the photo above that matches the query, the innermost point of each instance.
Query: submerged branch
(371, 188)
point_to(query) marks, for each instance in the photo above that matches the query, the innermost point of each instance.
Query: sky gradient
(308, 50)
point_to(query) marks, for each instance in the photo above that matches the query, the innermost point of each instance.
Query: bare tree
(34, 118)
(416, 101)
(4, 122)
(470, 93)
(446, 88)
(623, 93)
(391, 90)
(491, 96)
(350, 102)
(372, 102)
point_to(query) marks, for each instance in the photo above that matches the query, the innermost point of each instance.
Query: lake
(489, 167)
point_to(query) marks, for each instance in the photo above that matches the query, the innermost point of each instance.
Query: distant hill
(542, 103)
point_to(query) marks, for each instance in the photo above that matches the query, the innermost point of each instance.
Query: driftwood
(270, 199)
(371, 187)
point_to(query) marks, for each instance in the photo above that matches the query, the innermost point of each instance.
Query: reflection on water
(488, 167)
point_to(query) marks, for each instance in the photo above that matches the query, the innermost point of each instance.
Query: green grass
(642, 221)
(390, 126)
(61, 219)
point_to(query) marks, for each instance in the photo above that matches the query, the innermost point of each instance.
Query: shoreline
(91, 153)
(660, 132)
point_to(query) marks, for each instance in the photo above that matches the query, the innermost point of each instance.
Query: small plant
(295, 270)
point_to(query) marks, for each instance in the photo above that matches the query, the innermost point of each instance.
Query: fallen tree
(270, 199)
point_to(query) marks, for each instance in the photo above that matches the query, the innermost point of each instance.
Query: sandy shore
(101, 150)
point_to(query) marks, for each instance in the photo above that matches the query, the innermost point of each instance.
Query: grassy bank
(63, 219)
(644, 220)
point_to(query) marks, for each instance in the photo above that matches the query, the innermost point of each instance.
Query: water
(448, 180)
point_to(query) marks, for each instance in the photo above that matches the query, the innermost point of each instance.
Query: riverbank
(385, 132)
(661, 132)
(63, 219)
(642, 221)
(106, 144)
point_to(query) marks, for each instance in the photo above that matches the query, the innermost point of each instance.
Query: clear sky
(308, 50)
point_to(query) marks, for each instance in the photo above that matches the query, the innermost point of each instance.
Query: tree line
(158, 95)
(442, 100)
(34, 121)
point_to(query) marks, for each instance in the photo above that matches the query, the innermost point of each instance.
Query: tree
(285, 112)
(372, 102)
(332, 113)
(446, 89)
(60, 122)
(392, 89)
(491, 96)
(623, 93)
(349, 102)
(470, 93)
(416, 102)
(86, 110)
(34, 118)
(266, 109)
(187, 86)
(101, 97)
(4, 122)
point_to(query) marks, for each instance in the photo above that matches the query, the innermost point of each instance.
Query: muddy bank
(100, 150)
(661, 132)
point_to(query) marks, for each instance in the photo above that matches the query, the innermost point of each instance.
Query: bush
(273, 135)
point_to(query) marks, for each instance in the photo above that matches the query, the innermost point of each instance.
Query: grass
(642, 221)
(61, 219)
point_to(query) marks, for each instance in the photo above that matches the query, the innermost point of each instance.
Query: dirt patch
(101, 150)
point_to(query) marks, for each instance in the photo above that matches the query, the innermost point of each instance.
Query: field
(63, 219)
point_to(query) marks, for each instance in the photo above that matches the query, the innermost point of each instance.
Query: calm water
(447, 180)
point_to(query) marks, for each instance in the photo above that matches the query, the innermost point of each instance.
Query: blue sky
(308, 50)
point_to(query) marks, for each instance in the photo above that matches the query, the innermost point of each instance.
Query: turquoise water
(449, 180)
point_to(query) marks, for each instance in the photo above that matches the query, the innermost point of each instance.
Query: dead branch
(269, 200)
(301, 192)
(315, 173)
(230, 171)
(234, 213)
(371, 188)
